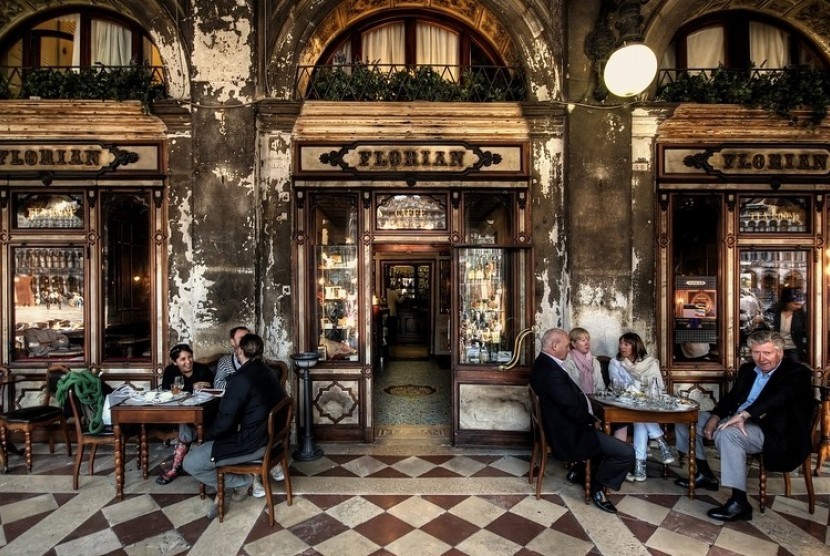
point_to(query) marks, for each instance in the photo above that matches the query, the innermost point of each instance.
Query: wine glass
(178, 385)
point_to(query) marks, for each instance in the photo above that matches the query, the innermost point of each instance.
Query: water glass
(178, 385)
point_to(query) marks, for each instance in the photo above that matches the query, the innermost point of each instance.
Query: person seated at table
(569, 423)
(768, 410)
(195, 376)
(229, 364)
(634, 367)
(581, 365)
(239, 432)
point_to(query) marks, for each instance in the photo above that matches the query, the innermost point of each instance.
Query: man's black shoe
(603, 503)
(576, 475)
(701, 481)
(731, 511)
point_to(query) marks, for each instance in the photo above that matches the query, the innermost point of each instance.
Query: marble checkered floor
(394, 499)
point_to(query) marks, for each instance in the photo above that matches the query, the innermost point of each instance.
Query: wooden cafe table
(131, 412)
(611, 410)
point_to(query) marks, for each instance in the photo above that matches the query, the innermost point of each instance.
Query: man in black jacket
(569, 424)
(239, 431)
(768, 410)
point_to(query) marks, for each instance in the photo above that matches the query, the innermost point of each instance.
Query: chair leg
(532, 471)
(79, 456)
(220, 495)
(92, 452)
(788, 488)
(587, 481)
(269, 499)
(543, 463)
(808, 481)
(27, 437)
(65, 428)
(762, 484)
(288, 493)
(4, 449)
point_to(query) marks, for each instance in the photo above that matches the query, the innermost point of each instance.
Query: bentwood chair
(541, 449)
(44, 416)
(806, 471)
(279, 429)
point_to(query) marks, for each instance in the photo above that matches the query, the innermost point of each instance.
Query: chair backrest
(536, 419)
(78, 416)
(280, 368)
(54, 374)
(279, 428)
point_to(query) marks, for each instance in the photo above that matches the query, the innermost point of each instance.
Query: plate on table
(199, 397)
(156, 397)
(215, 392)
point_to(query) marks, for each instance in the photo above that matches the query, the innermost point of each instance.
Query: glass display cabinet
(483, 305)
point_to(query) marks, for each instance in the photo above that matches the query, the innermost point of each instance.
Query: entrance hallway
(394, 499)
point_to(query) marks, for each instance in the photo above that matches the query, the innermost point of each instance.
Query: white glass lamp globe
(630, 70)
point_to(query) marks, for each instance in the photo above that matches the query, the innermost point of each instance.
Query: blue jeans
(198, 465)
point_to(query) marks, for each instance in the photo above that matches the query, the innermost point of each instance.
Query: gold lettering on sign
(51, 157)
(774, 161)
(410, 158)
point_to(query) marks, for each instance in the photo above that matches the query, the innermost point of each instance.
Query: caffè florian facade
(310, 158)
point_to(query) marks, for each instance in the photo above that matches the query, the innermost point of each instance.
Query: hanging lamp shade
(630, 70)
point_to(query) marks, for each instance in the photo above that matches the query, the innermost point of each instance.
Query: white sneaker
(277, 473)
(257, 490)
(666, 455)
(639, 474)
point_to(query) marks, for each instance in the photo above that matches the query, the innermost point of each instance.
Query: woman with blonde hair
(581, 365)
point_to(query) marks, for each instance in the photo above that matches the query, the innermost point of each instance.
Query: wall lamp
(627, 65)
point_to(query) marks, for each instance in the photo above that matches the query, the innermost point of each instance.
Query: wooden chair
(279, 430)
(280, 368)
(44, 416)
(806, 471)
(541, 449)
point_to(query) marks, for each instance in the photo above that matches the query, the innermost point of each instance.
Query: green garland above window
(777, 91)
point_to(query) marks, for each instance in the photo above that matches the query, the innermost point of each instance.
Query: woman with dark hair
(789, 319)
(634, 367)
(195, 376)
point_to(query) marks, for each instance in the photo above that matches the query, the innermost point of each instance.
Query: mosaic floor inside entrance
(361, 500)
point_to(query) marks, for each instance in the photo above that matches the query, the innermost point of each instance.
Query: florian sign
(411, 160)
(47, 161)
(784, 162)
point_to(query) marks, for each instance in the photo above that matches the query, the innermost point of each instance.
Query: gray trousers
(198, 465)
(732, 445)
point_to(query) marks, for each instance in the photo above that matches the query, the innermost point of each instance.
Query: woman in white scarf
(633, 366)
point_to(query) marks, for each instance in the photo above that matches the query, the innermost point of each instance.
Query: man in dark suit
(768, 410)
(571, 427)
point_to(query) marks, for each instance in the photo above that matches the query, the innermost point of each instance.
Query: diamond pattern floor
(362, 500)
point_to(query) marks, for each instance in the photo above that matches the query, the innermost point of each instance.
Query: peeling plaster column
(221, 280)
(276, 120)
(551, 266)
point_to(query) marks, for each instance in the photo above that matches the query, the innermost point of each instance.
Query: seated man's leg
(616, 459)
(199, 465)
(733, 447)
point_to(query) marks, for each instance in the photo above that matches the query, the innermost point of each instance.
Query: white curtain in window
(768, 46)
(704, 48)
(76, 39)
(439, 48)
(111, 44)
(343, 54)
(385, 45)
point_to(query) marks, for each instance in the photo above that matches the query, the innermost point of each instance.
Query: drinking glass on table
(178, 385)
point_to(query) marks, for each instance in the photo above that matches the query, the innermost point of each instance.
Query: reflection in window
(36, 210)
(336, 230)
(695, 223)
(48, 303)
(775, 282)
(487, 218)
(127, 276)
(775, 215)
(412, 212)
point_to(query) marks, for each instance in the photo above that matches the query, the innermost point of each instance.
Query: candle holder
(307, 450)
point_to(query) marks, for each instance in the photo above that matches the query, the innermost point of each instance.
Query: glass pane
(337, 284)
(487, 218)
(484, 306)
(774, 285)
(48, 303)
(49, 210)
(412, 212)
(775, 215)
(126, 274)
(695, 223)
